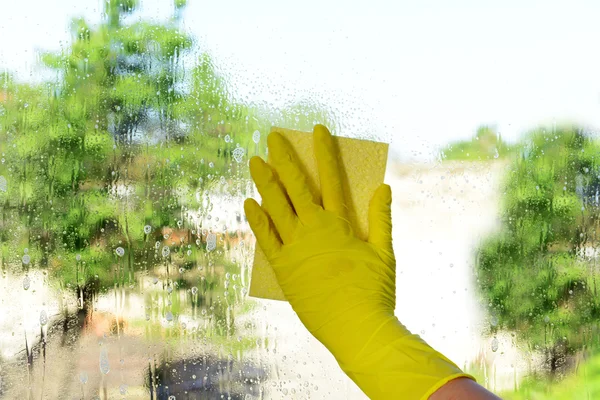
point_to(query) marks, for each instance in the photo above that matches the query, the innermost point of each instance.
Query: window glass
(126, 127)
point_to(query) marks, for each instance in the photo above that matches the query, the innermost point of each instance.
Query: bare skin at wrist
(463, 388)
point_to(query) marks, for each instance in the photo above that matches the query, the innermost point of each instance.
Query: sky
(416, 74)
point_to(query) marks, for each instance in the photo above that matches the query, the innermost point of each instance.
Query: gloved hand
(342, 288)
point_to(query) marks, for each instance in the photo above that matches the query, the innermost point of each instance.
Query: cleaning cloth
(363, 170)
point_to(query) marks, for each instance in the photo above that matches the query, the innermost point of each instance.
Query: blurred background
(126, 127)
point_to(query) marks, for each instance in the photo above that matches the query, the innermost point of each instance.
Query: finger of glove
(330, 171)
(380, 219)
(294, 180)
(263, 228)
(274, 198)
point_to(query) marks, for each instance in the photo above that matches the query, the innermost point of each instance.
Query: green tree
(111, 146)
(487, 144)
(532, 273)
(102, 166)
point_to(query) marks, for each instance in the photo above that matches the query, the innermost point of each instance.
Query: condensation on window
(126, 255)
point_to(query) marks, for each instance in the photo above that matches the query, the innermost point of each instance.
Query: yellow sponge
(363, 169)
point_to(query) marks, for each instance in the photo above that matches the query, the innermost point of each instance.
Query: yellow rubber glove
(342, 288)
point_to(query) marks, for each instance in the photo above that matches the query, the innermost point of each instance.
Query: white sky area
(415, 73)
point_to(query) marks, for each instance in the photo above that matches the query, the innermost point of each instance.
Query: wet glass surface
(125, 133)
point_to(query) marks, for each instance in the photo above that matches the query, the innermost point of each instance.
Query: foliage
(583, 383)
(533, 273)
(485, 145)
(126, 138)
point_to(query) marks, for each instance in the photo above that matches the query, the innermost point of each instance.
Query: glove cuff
(397, 364)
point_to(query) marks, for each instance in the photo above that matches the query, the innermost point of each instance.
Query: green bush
(530, 272)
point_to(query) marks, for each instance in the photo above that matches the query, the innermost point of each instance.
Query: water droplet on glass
(43, 318)
(26, 259)
(83, 377)
(546, 319)
(169, 289)
(494, 320)
(104, 366)
(179, 223)
(169, 316)
(256, 137)
(166, 251)
(227, 138)
(181, 270)
(123, 389)
(78, 257)
(189, 252)
(172, 397)
(194, 290)
(120, 251)
(238, 154)
(26, 283)
(155, 280)
(147, 229)
(211, 242)
(495, 345)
